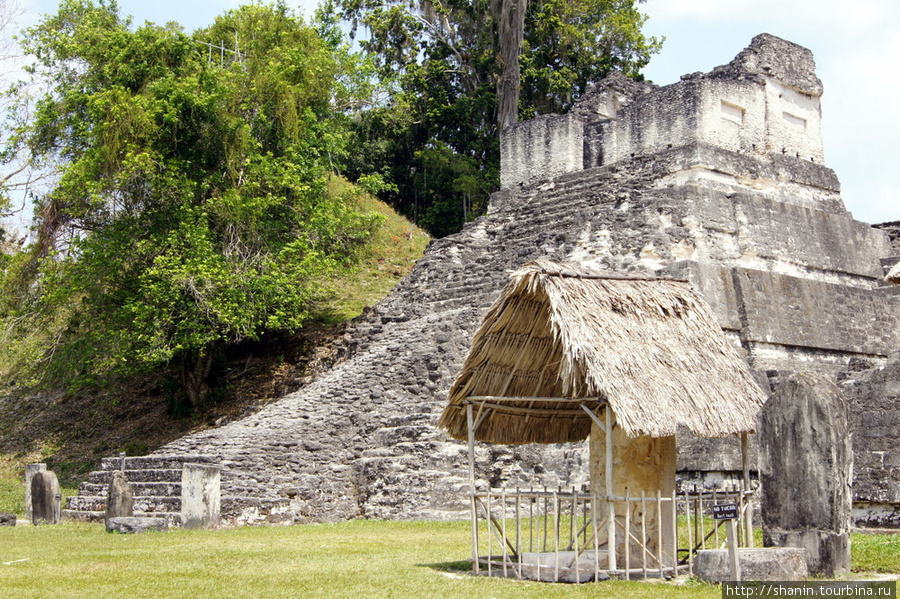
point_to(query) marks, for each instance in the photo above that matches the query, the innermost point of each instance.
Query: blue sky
(857, 48)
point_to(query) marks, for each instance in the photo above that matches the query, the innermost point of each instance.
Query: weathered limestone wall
(758, 104)
(791, 277)
(873, 397)
(547, 146)
(361, 440)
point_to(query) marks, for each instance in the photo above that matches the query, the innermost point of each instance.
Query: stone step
(138, 489)
(83, 515)
(173, 518)
(155, 462)
(97, 503)
(171, 475)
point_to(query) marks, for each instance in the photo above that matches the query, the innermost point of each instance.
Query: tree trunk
(195, 367)
(510, 16)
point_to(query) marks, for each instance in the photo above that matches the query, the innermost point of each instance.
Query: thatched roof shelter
(560, 338)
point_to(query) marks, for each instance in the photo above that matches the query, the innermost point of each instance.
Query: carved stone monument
(200, 496)
(806, 465)
(120, 500)
(45, 498)
(30, 471)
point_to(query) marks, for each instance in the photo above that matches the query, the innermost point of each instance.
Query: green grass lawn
(354, 560)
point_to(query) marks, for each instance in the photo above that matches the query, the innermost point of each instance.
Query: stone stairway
(155, 484)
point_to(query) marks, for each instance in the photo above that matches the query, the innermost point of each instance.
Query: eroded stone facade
(718, 179)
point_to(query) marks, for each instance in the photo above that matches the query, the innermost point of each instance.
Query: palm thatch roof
(560, 338)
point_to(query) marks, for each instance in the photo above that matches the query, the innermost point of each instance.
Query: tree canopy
(436, 141)
(188, 207)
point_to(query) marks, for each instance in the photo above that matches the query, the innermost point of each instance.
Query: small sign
(725, 511)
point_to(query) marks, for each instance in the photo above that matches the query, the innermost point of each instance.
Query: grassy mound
(71, 432)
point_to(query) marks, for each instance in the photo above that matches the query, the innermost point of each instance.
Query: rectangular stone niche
(732, 112)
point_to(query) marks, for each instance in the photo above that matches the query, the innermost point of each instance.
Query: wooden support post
(701, 518)
(687, 514)
(556, 536)
(490, 536)
(594, 518)
(503, 529)
(546, 511)
(611, 506)
(572, 520)
(748, 516)
(659, 531)
(531, 521)
(674, 535)
(731, 536)
(518, 534)
(627, 536)
(573, 534)
(471, 425)
(715, 501)
(644, 532)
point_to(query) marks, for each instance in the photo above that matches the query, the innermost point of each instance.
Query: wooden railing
(565, 535)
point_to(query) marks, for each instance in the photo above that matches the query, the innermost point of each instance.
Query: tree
(189, 209)
(463, 69)
(9, 15)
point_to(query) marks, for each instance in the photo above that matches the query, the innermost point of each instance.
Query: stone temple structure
(719, 179)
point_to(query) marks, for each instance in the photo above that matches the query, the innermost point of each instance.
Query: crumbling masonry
(719, 178)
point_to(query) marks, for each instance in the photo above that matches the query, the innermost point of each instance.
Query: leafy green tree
(461, 70)
(189, 209)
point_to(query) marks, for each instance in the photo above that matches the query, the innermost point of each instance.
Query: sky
(856, 46)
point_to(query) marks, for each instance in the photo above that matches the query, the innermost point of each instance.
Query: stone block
(830, 551)
(799, 312)
(120, 499)
(542, 148)
(45, 498)
(201, 496)
(874, 408)
(806, 465)
(561, 566)
(133, 524)
(768, 563)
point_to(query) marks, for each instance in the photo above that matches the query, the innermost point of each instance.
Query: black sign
(725, 511)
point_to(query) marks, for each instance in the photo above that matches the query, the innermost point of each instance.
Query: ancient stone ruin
(719, 179)
(873, 397)
(806, 468)
(119, 497)
(45, 498)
